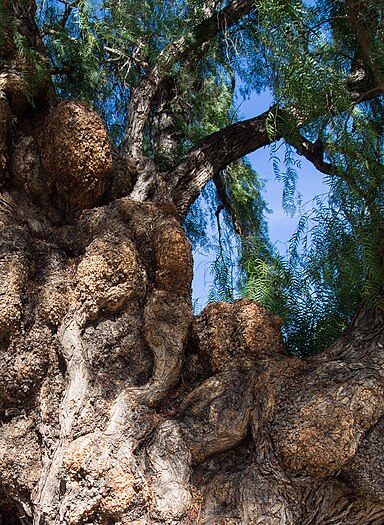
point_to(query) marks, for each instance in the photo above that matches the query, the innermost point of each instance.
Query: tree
(117, 404)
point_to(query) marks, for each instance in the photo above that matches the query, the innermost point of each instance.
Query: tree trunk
(117, 405)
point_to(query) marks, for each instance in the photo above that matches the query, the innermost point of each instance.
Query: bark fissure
(70, 411)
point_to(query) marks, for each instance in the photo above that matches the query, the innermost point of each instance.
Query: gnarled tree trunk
(117, 405)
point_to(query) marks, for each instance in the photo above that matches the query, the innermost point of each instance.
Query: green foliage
(318, 286)
(207, 107)
(80, 38)
(99, 50)
(243, 195)
(335, 259)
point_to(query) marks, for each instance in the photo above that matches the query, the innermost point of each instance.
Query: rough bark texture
(117, 405)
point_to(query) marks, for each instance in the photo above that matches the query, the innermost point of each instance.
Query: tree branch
(314, 152)
(24, 13)
(213, 154)
(226, 202)
(145, 91)
(203, 162)
(357, 12)
(219, 149)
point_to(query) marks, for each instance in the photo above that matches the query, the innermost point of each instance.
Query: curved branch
(218, 150)
(144, 93)
(213, 154)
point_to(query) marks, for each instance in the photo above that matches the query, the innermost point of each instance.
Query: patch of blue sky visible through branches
(281, 224)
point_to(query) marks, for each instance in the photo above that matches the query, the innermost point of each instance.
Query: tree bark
(117, 404)
(212, 154)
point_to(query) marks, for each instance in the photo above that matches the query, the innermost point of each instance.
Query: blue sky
(281, 225)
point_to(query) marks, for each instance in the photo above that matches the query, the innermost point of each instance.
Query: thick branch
(144, 93)
(314, 152)
(364, 37)
(219, 149)
(164, 135)
(213, 154)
